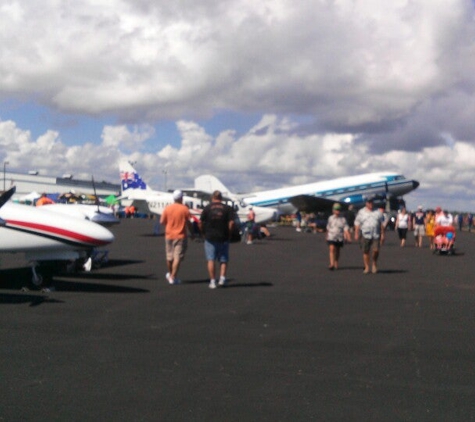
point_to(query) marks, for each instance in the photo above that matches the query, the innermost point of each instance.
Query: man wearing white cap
(175, 218)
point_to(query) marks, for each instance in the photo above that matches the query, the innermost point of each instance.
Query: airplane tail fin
(130, 179)
(5, 196)
(208, 183)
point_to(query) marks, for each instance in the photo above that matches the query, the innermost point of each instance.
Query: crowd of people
(367, 226)
(437, 225)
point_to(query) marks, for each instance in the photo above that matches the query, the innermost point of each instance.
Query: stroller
(444, 240)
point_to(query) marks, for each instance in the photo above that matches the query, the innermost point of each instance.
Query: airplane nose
(415, 184)
(102, 235)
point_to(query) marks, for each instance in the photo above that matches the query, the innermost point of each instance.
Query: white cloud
(379, 85)
(268, 155)
(352, 63)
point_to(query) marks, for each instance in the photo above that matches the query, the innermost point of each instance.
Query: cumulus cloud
(351, 64)
(342, 87)
(269, 155)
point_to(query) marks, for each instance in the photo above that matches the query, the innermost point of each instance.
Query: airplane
(385, 187)
(147, 200)
(47, 238)
(95, 213)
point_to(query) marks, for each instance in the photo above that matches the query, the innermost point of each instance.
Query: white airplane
(95, 213)
(150, 201)
(46, 237)
(385, 187)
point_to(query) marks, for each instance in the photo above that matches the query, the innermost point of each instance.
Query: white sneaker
(169, 279)
(212, 284)
(222, 281)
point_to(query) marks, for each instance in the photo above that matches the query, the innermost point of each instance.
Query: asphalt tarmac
(287, 340)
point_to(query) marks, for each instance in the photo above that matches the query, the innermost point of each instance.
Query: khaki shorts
(419, 230)
(175, 248)
(367, 243)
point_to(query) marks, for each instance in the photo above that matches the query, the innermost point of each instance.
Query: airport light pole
(4, 172)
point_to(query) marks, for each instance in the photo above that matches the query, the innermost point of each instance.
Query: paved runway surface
(288, 340)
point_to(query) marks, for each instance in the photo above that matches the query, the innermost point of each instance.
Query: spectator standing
(251, 225)
(176, 219)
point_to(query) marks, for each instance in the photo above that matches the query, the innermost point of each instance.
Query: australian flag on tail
(131, 180)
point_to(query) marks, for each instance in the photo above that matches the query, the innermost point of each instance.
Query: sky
(260, 94)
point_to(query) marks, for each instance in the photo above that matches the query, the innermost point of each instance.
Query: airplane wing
(200, 194)
(203, 195)
(308, 203)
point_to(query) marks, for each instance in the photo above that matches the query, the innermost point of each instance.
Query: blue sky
(261, 95)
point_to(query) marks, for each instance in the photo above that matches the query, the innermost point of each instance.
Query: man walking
(217, 223)
(371, 224)
(176, 219)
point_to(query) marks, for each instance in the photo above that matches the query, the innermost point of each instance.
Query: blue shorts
(217, 251)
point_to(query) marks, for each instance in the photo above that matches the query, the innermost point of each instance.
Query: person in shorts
(371, 224)
(216, 224)
(418, 222)
(337, 232)
(176, 219)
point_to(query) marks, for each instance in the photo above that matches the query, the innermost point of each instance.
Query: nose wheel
(42, 276)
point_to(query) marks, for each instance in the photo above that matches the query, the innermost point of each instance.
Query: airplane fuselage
(46, 235)
(350, 190)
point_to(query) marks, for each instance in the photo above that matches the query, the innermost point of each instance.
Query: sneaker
(222, 281)
(169, 279)
(212, 284)
(249, 242)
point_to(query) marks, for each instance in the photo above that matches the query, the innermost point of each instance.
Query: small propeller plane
(46, 237)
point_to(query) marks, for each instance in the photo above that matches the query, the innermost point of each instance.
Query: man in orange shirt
(175, 218)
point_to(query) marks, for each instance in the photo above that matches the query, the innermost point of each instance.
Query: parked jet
(46, 237)
(320, 196)
(147, 200)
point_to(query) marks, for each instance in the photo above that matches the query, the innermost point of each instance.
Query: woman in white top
(402, 225)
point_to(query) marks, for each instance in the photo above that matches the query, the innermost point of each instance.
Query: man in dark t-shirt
(216, 224)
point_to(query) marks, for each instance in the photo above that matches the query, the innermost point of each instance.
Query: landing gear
(42, 276)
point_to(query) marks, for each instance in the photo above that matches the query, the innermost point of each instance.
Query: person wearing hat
(418, 223)
(337, 232)
(371, 224)
(176, 219)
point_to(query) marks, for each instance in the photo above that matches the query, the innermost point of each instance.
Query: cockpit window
(396, 177)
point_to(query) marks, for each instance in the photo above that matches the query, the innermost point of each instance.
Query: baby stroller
(444, 240)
